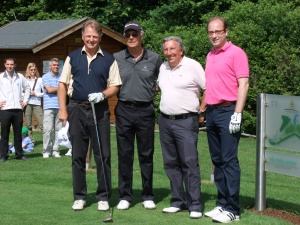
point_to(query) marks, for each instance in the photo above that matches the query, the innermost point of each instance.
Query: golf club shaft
(101, 156)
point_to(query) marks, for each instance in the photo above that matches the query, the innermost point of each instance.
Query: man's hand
(63, 116)
(96, 97)
(235, 123)
(23, 104)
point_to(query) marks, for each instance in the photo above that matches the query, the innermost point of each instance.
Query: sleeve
(114, 78)
(26, 88)
(66, 72)
(240, 64)
(201, 75)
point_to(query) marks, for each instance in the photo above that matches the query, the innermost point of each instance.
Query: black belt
(136, 104)
(179, 116)
(222, 104)
(81, 102)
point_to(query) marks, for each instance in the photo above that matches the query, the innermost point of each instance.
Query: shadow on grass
(159, 195)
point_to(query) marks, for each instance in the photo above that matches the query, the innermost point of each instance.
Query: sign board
(283, 122)
(283, 163)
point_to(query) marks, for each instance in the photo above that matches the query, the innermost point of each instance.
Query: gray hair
(174, 38)
(53, 60)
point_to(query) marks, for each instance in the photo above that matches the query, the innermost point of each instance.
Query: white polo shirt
(180, 87)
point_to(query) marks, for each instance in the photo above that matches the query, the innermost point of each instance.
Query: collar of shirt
(145, 54)
(14, 74)
(98, 52)
(224, 48)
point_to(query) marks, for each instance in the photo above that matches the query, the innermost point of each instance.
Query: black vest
(89, 80)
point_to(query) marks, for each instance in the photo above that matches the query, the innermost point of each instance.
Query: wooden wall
(60, 50)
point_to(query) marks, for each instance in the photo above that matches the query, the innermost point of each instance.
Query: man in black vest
(89, 75)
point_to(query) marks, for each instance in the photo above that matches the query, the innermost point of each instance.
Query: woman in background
(34, 105)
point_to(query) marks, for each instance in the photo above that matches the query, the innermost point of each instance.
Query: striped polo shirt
(50, 100)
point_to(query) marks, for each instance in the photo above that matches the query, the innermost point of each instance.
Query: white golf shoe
(195, 215)
(103, 206)
(78, 205)
(226, 217)
(149, 204)
(171, 210)
(123, 205)
(215, 212)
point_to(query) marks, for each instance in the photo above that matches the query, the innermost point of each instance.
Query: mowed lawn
(39, 191)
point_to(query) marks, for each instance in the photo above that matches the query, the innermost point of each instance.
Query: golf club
(109, 217)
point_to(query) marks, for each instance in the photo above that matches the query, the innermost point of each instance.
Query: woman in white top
(34, 105)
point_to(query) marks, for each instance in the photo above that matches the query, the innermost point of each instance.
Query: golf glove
(96, 97)
(235, 122)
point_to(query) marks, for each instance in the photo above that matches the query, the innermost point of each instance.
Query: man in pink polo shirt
(227, 75)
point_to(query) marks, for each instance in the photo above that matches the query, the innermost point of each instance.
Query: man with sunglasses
(227, 75)
(135, 115)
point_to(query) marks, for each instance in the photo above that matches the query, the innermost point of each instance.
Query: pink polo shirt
(180, 86)
(223, 68)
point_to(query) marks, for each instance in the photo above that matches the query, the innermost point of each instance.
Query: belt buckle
(172, 117)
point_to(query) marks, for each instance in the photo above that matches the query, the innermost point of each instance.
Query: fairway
(39, 191)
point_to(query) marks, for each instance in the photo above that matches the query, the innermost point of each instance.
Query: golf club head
(109, 219)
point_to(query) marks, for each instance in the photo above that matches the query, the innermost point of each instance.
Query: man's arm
(26, 88)
(242, 94)
(51, 90)
(62, 100)
(236, 118)
(202, 109)
(111, 91)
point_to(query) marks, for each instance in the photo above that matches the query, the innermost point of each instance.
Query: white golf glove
(235, 122)
(96, 97)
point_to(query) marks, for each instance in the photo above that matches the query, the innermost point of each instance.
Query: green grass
(39, 191)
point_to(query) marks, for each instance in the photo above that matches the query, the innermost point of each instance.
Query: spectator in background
(227, 75)
(180, 81)
(135, 115)
(27, 144)
(12, 85)
(34, 106)
(51, 108)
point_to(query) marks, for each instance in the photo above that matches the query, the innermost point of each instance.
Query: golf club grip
(94, 113)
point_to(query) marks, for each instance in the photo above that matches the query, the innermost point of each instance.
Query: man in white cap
(135, 115)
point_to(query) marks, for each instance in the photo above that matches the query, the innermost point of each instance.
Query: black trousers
(82, 128)
(12, 117)
(135, 122)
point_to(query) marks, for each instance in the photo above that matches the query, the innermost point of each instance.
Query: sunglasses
(129, 34)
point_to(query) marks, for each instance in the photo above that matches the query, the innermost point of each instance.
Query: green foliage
(268, 30)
